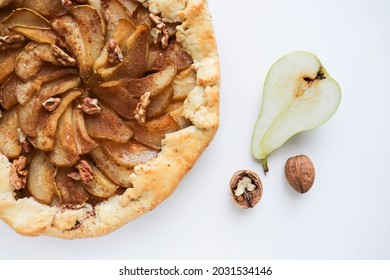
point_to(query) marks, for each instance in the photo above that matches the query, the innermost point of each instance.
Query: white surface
(346, 215)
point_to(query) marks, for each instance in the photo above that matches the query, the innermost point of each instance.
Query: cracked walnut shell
(246, 188)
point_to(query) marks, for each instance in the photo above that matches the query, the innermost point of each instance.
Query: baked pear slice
(123, 95)
(84, 33)
(298, 95)
(153, 132)
(31, 60)
(184, 83)
(107, 125)
(39, 35)
(92, 29)
(40, 181)
(7, 93)
(117, 173)
(65, 148)
(113, 13)
(25, 90)
(10, 145)
(173, 52)
(26, 17)
(125, 29)
(7, 63)
(135, 54)
(130, 6)
(47, 8)
(29, 114)
(159, 103)
(72, 191)
(129, 154)
(48, 122)
(100, 186)
(84, 143)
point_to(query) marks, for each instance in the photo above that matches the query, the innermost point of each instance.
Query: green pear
(298, 95)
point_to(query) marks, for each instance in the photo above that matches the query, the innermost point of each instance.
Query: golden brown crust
(155, 180)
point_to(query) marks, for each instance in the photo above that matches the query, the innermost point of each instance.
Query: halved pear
(29, 114)
(10, 145)
(129, 154)
(123, 95)
(107, 125)
(26, 17)
(48, 121)
(135, 52)
(119, 174)
(100, 186)
(153, 132)
(40, 181)
(65, 149)
(72, 192)
(298, 95)
(84, 143)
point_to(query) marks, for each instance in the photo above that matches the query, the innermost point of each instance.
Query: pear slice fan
(298, 95)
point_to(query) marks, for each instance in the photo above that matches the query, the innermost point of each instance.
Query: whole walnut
(300, 173)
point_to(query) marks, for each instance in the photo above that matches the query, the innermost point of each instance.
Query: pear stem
(265, 165)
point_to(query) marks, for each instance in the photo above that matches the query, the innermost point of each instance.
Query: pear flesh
(298, 95)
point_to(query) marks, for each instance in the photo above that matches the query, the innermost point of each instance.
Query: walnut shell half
(246, 188)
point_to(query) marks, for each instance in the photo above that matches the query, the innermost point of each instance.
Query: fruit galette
(105, 106)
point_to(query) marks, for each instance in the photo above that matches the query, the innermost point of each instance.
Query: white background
(346, 215)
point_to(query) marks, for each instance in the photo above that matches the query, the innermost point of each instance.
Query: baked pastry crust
(155, 180)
